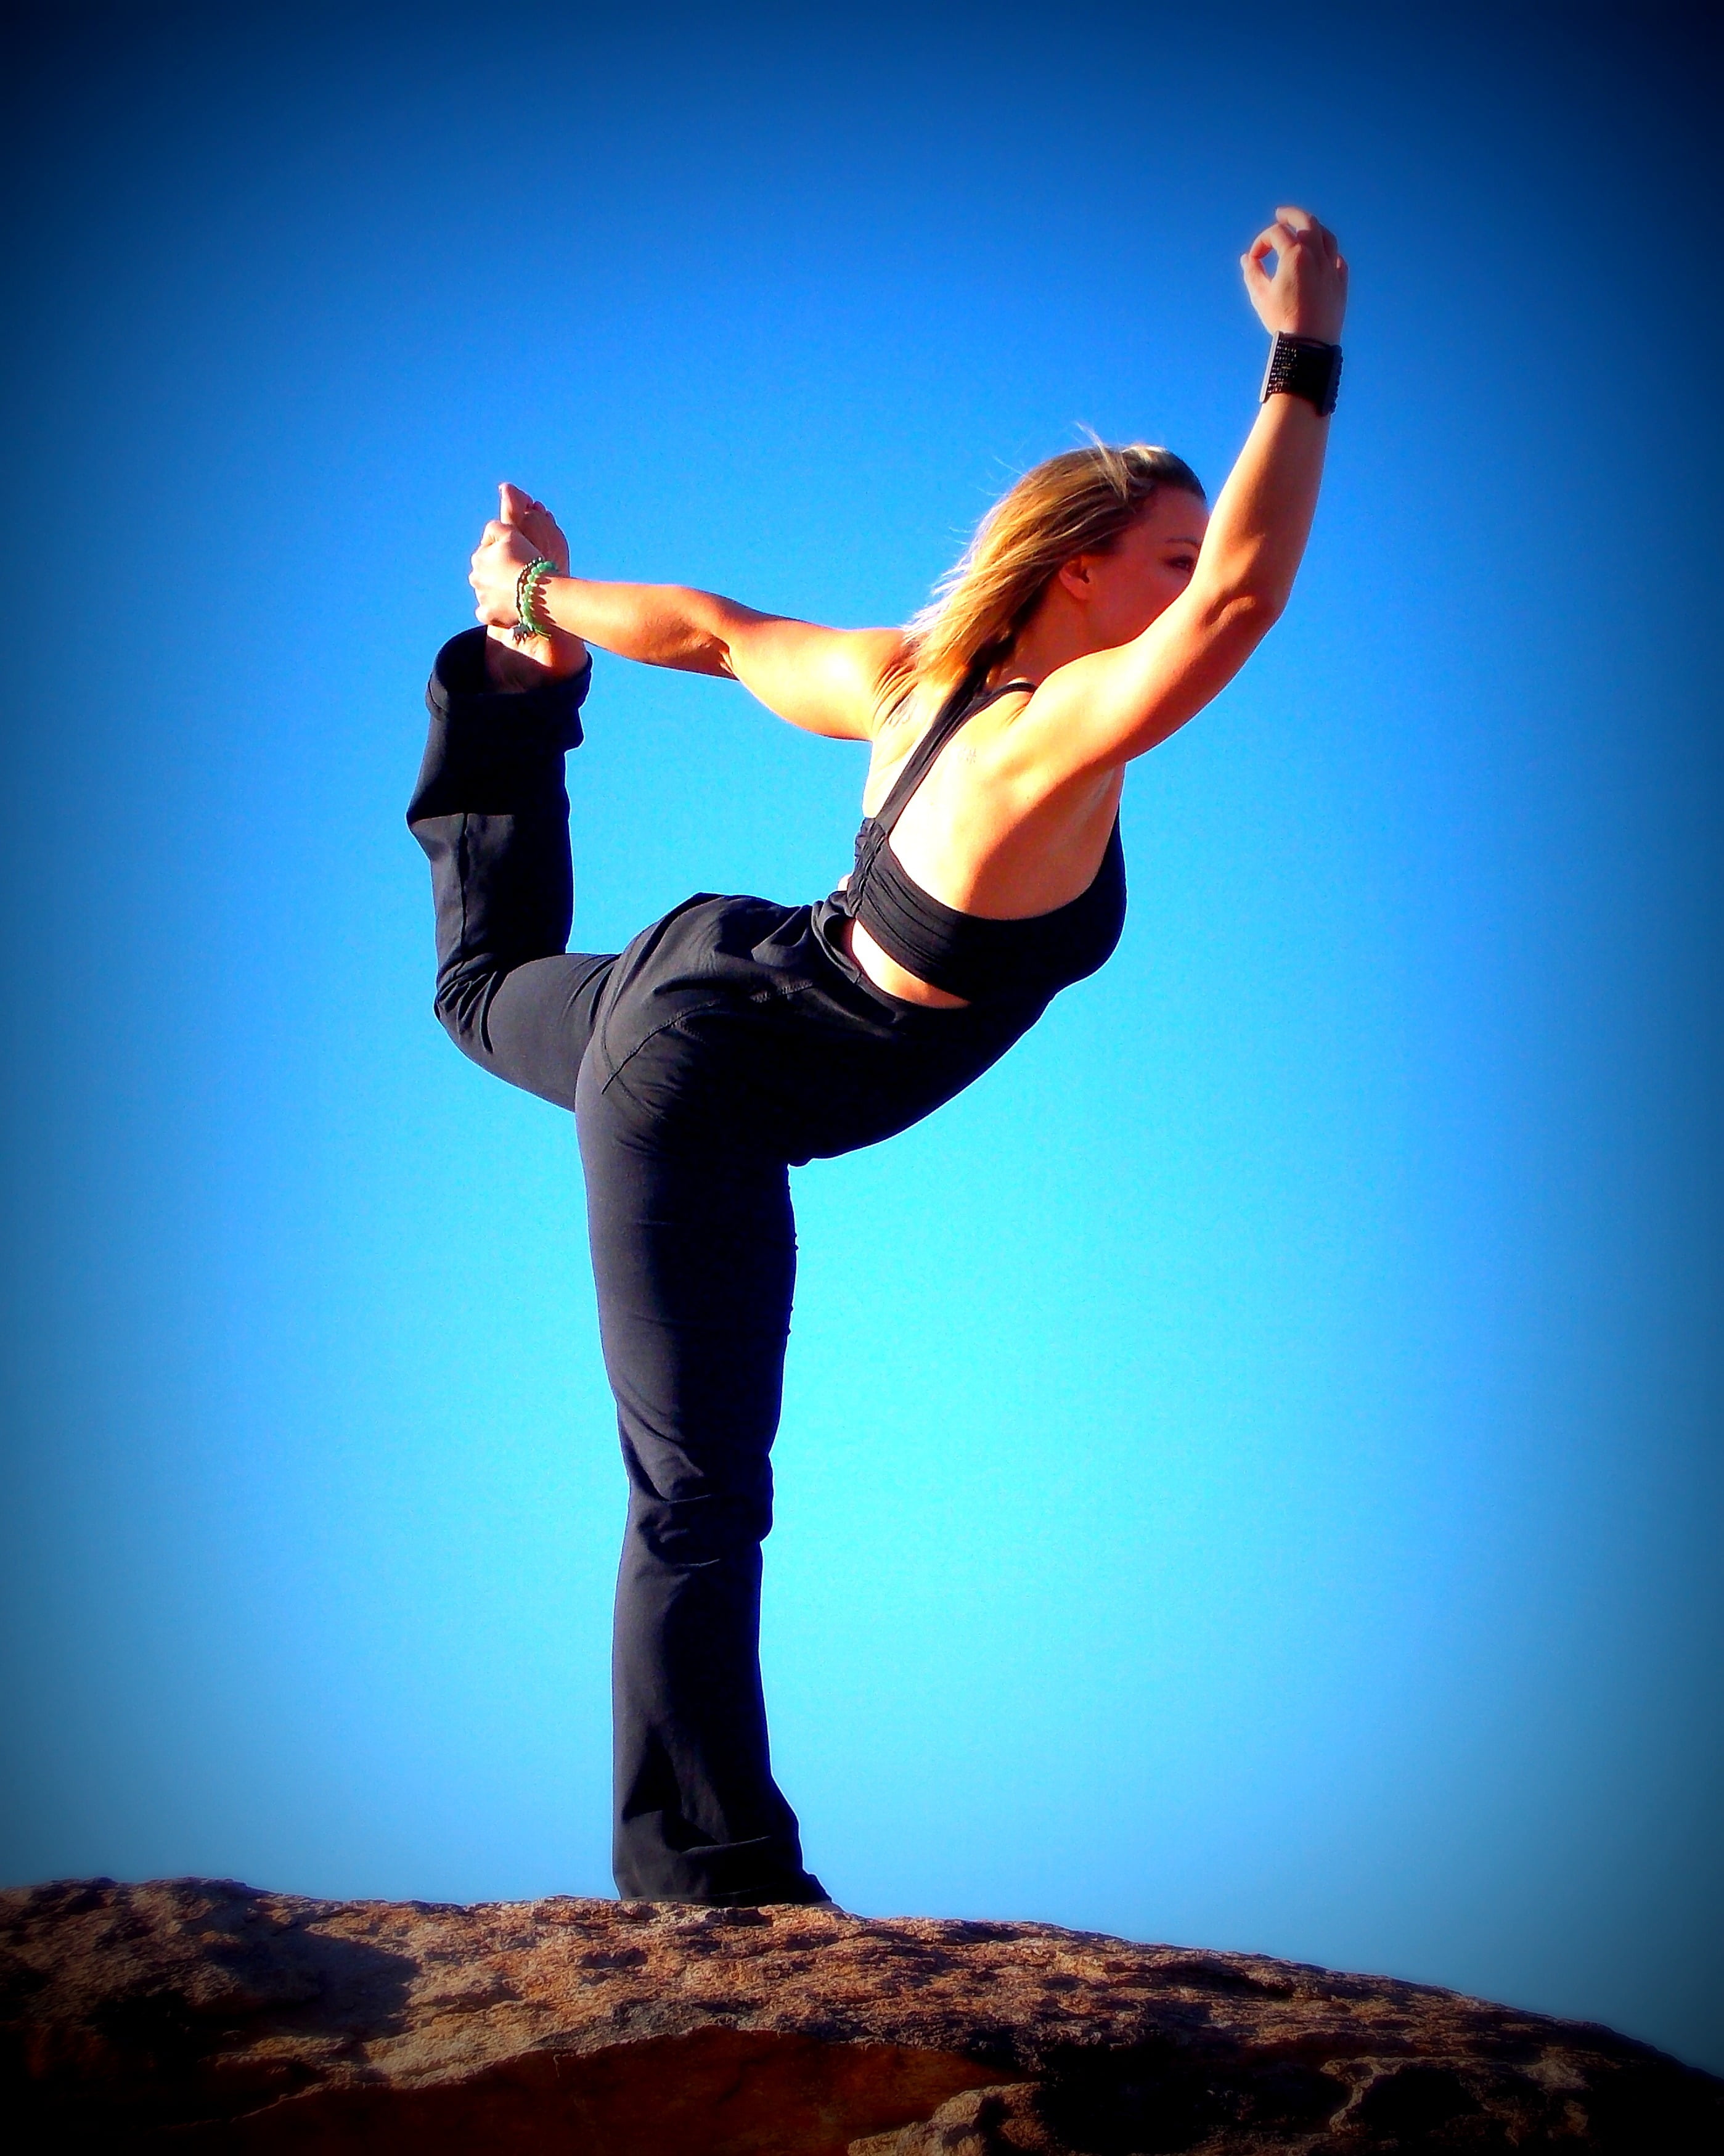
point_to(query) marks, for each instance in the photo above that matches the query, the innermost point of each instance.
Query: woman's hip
(731, 1025)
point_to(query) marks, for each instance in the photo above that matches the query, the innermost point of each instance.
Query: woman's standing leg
(694, 1251)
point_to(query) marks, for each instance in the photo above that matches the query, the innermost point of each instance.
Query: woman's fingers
(1314, 230)
(1255, 263)
(1300, 222)
(1284, 240)
(1305, 295)
(1276, 239)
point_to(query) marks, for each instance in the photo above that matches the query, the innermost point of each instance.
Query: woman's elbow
(1246, 614)
(1234, 622)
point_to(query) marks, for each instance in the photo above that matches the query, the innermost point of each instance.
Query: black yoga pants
(728, 1041)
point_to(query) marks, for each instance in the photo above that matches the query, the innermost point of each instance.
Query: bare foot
(532, 519)
(513, 667)
(512, 664)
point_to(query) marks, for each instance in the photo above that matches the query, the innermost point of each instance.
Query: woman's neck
(1052, 637)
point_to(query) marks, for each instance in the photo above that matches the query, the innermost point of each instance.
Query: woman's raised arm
(1099, 711)
(825, 680)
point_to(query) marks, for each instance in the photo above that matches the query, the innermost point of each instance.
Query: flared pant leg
(693, 1253)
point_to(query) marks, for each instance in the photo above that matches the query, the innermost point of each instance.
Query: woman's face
(1146, 572)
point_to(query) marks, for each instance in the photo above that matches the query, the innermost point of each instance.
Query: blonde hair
(1080, 502)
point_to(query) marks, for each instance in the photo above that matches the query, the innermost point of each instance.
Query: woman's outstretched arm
(826, 681)
(1099, 711)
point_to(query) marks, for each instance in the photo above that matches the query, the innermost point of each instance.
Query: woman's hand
(523, 530)
(508, 543)
(1306, 294)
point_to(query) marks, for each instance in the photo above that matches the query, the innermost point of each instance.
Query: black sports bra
(964, 954)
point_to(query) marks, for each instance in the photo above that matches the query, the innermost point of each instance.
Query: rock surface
(198, 2014)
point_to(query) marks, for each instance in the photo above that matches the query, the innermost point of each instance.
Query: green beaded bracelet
(526, 593)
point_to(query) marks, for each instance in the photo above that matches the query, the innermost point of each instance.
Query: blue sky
(1251, 1471)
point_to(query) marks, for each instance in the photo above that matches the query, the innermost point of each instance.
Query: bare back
(979, 833)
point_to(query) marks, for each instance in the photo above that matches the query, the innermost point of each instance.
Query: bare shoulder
(1027, 748)
(825, 680)
(870, 659)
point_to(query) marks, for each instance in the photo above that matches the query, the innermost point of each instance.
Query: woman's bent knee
(460, 1004)
(685, 1531)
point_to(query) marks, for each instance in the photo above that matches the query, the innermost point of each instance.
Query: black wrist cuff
(1303, 367)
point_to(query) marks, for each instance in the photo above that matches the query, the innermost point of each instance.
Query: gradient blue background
(1251, 1471)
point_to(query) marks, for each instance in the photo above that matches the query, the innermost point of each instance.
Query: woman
(735, 1037)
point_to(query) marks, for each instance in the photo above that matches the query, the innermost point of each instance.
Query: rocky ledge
(198, 2014)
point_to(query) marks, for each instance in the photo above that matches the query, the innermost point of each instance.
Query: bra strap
(963, 703)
